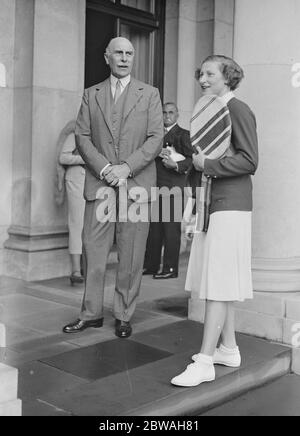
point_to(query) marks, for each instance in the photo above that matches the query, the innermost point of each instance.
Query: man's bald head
(118, 41)
(119, 56)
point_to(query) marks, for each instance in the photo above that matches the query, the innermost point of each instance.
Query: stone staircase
(9, 403)
(230, 384)
(265, 361)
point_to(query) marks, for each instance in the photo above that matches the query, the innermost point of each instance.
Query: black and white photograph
(149, 211)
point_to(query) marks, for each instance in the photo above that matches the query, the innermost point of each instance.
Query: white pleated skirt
(220, 260)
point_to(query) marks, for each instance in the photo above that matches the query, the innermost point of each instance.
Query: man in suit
(119, 134)
(172, 166)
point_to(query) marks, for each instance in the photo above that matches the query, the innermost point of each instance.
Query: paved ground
(96, 374)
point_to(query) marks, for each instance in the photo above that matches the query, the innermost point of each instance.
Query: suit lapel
(103, 97)
(171, 133)
(135, 93)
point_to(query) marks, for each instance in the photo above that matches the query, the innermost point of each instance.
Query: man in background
(172, 166)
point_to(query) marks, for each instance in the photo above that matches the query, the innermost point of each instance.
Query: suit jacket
(232, 184)
(140, 140)
(180, 139)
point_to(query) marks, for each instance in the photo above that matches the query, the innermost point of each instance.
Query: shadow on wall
(2, 76)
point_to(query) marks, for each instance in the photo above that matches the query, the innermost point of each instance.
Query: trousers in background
(165, 234)
(75, 176)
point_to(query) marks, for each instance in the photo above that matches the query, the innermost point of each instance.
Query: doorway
(141, 21)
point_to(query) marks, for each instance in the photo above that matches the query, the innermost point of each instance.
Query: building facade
(51, 49)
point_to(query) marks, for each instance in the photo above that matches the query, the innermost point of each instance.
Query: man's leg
(97, 241)
(131, 241)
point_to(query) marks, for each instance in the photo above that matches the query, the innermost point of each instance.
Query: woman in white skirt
(220, 262)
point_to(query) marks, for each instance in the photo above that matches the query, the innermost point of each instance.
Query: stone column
(267, 45)
(7, 36)
(223, 27)
(205, 27)
(195, 41)
(171, 51)
(48, 84)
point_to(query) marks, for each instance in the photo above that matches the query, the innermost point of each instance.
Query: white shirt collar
(170, 128)
(227, 97)
(124, 81)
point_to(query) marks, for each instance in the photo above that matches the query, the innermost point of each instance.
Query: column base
(36, 266)
(276, 275)
(36, 256)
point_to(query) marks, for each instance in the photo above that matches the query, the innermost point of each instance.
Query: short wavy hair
(230, 69)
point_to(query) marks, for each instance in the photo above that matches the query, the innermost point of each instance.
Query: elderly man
(119, 134)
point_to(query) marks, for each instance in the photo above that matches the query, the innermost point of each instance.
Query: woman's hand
(199, 159)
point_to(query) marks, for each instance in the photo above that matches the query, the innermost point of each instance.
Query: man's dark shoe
(123, 329)
(166, 275)
(79, 325)
(148, 272)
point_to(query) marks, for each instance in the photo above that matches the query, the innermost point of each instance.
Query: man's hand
(169, 163)
(116, 174)
(165, 153)
(199, 159)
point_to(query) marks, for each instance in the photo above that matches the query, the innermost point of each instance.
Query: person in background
(219, 269)
(74, 176)
(172, 166)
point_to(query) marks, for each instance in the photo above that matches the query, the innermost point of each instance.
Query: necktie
(118, 91)
(166, 131)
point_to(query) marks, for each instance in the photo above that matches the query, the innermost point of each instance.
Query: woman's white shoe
(195, 374)
(224, 356)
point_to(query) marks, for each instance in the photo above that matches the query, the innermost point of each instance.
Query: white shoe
(224, 356)
(195, 374)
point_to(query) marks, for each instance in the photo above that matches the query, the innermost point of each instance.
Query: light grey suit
(139, 142)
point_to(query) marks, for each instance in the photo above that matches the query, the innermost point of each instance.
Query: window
(142, 5)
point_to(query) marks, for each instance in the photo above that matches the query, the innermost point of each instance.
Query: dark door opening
(100, 29)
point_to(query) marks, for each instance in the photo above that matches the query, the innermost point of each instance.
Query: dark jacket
(232, 184)
(180, 139)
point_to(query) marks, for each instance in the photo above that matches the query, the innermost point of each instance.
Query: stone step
(194, 401)
(11, 408)
(265, 401)
(8, 383)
